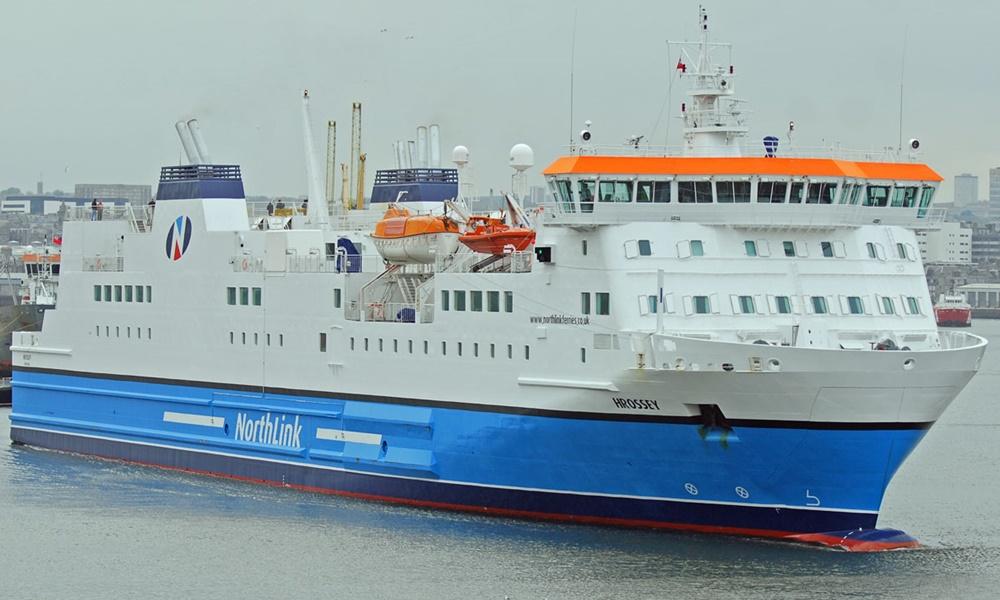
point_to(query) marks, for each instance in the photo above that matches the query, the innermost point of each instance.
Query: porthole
(774, 364)
(909, 363)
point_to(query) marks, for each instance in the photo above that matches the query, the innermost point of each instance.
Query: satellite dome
(522, 157)
(460, 155)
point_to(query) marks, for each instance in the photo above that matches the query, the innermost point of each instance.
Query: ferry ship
(732, 340)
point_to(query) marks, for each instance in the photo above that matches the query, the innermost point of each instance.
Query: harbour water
(73, 527)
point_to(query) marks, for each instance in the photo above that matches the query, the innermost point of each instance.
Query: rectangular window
(651, 304)
(381, 345)
(878, 195)
(855, 305)
(267, 337)
(444, 348)
(783, 304)
(789, 248)
(901, 251)
(602, 303)
(97, 293)
(527, 352)
(281, 340)
(750, 247)
(583, 247)
(872, 252)
(912, 306)
(395, 345)
(821, 193)
(644, 191)
(426, 347)
(149, 293)
(475, 349)
(118, 293)
(139, 294)
(337, 297)
(694, 191)
(772, 191)
(445, 296)
(149, 333)
(586, 192)
(493, 350)
(888, 306)
(795, 193)
(231, 337)
(732, 191)
(256, 296)
(107, 293)
(128, 332)
(697, 248)
(476, 300)
(746, 305)
(827, 248)
(645, 248)
(460, 300)
(128, 293)
(493, 301)
(510, 351)
(616, 191)
(585, 303)
(409, 346)
(244, 337)
(702, 306)
(508, 302)
(244, 296)
(650, 191)
(819, 305)
(231, 296)
(460, 348)
(583, 355)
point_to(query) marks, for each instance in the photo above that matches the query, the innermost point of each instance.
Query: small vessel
(952, 310)
(28, 302)
(402, 237)
(491, 235)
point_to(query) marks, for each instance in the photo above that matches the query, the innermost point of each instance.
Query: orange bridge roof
(801, 167)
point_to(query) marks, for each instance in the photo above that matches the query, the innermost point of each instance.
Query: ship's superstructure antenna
(356, 148)
(316, 208)
(714, 123)
(331, 163)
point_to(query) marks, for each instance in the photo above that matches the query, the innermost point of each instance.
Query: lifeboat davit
(404, 238)
(489, 235)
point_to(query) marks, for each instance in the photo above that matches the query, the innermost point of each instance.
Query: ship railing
(750, 215)
(512, 262)
(957, 340)
(104, 263)
(886, 154)
(394, 312)
(292, 215)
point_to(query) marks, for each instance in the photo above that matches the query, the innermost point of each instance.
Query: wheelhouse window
(772, 191)
(855, 305)
(587, 190)
(905, 197)
(845, 194)
(796, 192)
(877, 195)
(732, 191)
(819, 305)
(821, 193)
(616, 191)
(564, 192)
(694, 191)
(653, 191)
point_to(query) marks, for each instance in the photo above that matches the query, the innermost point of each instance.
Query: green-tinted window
(244, 296)
(585, 303)
(493, 301)
(107, 293)
(231, 296)
(139, 296)
(746, 305)
(476, 300)
(118, 293)
(701, 305)
(337, 299)
(819, 305)
(751, 247)
(508, 302)
(602, 303)
(913, 305)
(888, 306)
(445, 297)
(789, 248)
(128, 293)
(460, 300)
(827, 249)
(855, 305)
(97, 293)
(697, 248)
(783, 304)
(257, 296)
(149, 293)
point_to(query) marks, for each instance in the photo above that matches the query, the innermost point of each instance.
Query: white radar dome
(460, 155)
(522, 157)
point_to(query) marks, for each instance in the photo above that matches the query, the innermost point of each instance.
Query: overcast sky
(89, 91)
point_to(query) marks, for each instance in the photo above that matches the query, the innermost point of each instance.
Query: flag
(681, 66)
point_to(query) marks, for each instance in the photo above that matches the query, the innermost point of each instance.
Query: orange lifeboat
(489, 235)
(404, 238)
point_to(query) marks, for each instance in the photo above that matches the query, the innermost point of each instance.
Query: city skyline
(134, 70)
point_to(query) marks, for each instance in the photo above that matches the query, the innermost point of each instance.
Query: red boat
(489, 235)
(952, 311)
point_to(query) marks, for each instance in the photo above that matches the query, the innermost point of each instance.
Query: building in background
(966, 190)
(995, 185)
(137, 195)
(49, 205)
(985, 242)
(952, 244)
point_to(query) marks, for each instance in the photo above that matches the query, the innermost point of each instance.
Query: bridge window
(732, 191)
(796, 191)
(565, 192)
(845, 194)
(905, 197)
(878, 195)
(602, 303)
(819, 305)
(827, 249)
(772, 191)
(476, 297)
(926, 195)
(697, 248)
(746, 305)
(645, 249)
(912, 306)
(821, 193)
(653, 191)
(694, 191)
(616, 191)
(783, 305)
(789, 248)
(888, 306)
(508, 302)
(750, 247)
(855, 305)
(493, 301)
(702, 306)
(586, 188)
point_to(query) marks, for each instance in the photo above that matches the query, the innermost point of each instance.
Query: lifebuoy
(97, 264)
(245, 264)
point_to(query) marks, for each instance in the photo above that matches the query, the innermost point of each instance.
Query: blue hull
(779, 479)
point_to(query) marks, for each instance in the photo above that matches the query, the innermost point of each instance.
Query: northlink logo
(268, 430)
(178, 238)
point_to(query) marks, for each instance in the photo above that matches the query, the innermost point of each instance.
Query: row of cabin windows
(123, 293)
(460, 347)
(777, 192)
(246, 294)
(253, 338)
(602, 303)
(455, 300)
(782, 305)
(118, 330)
(836, 248)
